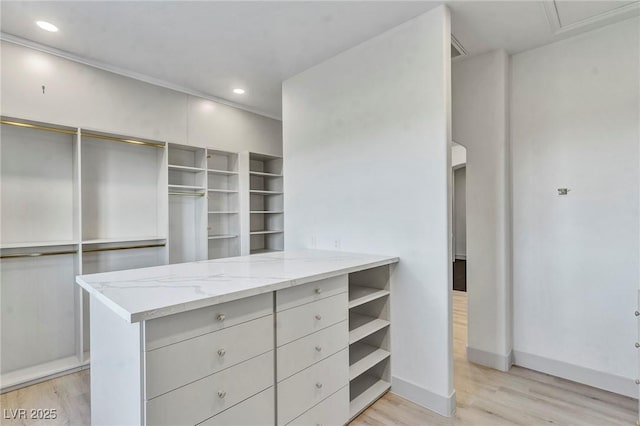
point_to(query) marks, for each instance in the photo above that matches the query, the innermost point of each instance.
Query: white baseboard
(443, 405)
(597, 379)
(490, 359)
(460, 257)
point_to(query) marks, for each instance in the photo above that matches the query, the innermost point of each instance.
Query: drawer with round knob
(167, 330)
(172, 366)
(303, 320)
(204, 398)
(316, 290)
(259, 410)
(307, 388)
(300, 354)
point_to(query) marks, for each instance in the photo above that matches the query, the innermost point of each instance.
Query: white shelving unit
(187, 189)
(369, 337)
(78, 201)
(266, 217)
(223, 188)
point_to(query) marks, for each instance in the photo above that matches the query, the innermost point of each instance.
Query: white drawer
(302, 391)
(185, 325)
(196, 402)
(333, 411)
(321, 289)
(259, 410)
(298, 322)
(170, 367)
(301, 353)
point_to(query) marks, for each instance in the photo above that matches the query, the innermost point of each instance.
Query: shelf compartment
(187, 187)
(265, 232)
(223, 191)
(223, 212)
(222, 162)
(222, 172)
(122, 240)
(253, 172)
(262, 192)
(267, 212)
(36, 244)
(361, 326)
(221, 237)
(359, 295)
(366, 390)
(187, 169)
(263, 251)
(363, 357)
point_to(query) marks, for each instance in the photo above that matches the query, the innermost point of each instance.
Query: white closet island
(277, 338)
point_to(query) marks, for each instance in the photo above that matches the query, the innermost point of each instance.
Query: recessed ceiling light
(47, 26)
(238, 91)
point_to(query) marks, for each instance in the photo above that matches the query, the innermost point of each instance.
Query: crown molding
(605, 18)
(127, 73)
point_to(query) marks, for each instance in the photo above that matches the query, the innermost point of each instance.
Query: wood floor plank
(485, 397)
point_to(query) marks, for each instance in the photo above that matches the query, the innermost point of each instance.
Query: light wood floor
(485, 397)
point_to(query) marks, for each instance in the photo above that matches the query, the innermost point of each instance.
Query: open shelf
(221, 237)
(225, 191)
(265, 232)
(361, 326)
(222, 172)
(188, 169)
(263, 192)
(363, 357)
(359, 295)
(223, 212)
(364, 391)
(262, 251)
(265, 174)
(267, 212)
(36, 244)
(122, 240)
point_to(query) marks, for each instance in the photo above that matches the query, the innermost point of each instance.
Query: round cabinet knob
(221, 394)
(318, 290)
(637, 313)
(318, 317)
(637, 345)
(220, 317)
(221, 352)
(319, 385)
(318, 348)
(637, 381)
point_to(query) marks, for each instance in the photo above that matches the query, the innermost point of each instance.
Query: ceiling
(209, 48)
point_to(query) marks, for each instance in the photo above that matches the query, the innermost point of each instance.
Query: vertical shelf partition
(223, 204)
(369, 337)
(266, 203)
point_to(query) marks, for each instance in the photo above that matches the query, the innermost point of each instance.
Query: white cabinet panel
(259, 410)
(317, 290)
(301, 353)
(174, 328)
(298, 322)
(175, 365)
(204, 398)
(305, 389)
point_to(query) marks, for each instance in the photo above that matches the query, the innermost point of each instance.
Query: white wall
(366, 146)
(480, 110)
(460, 212)
(82, 96)
(575, 123)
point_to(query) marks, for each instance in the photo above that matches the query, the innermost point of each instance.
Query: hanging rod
(113, 138)
(124, 248)
(50, 253)
(188, 194)
(38, 127)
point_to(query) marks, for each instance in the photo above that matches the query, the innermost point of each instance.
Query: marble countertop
(146, 293)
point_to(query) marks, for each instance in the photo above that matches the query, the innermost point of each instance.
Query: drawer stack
(369, 337)
(312, 339)
(211, 365)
